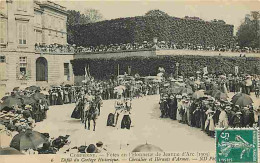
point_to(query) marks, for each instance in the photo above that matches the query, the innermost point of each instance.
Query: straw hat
(27, 106)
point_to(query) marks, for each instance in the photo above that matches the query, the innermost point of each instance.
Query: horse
(91, 114)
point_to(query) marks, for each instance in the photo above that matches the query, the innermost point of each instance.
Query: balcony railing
(63, 49)
(55, 49)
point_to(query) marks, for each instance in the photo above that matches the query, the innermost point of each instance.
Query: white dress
(223, 119)
(178, 116)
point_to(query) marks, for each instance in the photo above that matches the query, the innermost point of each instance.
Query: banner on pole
(205, 70)
(236, 70)
(86, 73)
(129, 70)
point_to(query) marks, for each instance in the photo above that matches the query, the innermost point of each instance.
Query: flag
(86, 73)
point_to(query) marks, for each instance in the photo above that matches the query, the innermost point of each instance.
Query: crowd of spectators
(56, 48)
(206, 105)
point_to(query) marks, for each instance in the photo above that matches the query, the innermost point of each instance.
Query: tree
(76, 18)
(156, 13)
(248, 31)
(93, 15)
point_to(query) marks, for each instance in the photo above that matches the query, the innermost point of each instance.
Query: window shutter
(2, 71)
(20, 30)
(2, 32)
(24, 33)
(18, 68)
(29, 68)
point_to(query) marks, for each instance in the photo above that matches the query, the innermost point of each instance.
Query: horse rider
(119, 105)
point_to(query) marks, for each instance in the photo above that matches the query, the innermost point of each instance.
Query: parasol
(221, 96)
(186, 90)
(28, 139)
(198, 94)
(9, 151)
(33, 88)
(147, 148)
(242, 100)
(11, 101)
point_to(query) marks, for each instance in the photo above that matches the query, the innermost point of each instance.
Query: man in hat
(164, 106)
(248, 117)
(100, 148)
(203, 116)
(172, 103)
(26, 112)
(98, 101)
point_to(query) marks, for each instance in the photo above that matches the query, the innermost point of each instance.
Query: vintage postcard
(129, 81)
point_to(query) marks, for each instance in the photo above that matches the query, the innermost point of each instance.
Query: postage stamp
(236, 145)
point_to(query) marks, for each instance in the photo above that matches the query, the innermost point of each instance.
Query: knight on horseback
(91, 111)
(119, 105)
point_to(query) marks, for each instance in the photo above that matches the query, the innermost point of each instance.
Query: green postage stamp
(236, 145)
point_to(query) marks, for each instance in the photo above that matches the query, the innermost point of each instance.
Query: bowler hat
(99, 144)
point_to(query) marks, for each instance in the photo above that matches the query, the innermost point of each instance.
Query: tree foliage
(76, 18)
(248, 33)
(145, 28)
(156, 13)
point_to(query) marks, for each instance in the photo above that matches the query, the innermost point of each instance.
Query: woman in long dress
(223, 119)
(178, 115)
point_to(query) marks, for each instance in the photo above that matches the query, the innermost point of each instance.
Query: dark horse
(91, 113)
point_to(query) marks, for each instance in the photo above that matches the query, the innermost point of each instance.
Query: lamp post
(177, 69)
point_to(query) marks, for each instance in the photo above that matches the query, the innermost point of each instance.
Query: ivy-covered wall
(104, 68)
(145, 28)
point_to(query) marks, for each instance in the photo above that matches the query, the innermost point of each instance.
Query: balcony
(55, 49)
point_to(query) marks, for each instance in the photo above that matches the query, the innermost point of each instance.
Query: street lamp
(177, 69)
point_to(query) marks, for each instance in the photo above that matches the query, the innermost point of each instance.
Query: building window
(3, 32)
(2, 59)
(67, 71)
(64, 26)
(52, 23)
(3, 68)
(23, 67)
(38, 37)
(37, 19)
(22, 33)
(21, 5)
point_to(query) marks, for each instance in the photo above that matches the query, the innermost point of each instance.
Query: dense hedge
(145, 28)
(103, 68)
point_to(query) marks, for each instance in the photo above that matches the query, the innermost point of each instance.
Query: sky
(231, 11)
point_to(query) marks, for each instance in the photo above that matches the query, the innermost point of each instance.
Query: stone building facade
(23, 26)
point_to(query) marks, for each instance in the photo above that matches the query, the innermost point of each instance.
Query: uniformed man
(119, 104)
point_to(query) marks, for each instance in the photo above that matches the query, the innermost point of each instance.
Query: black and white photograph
(128, 81)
